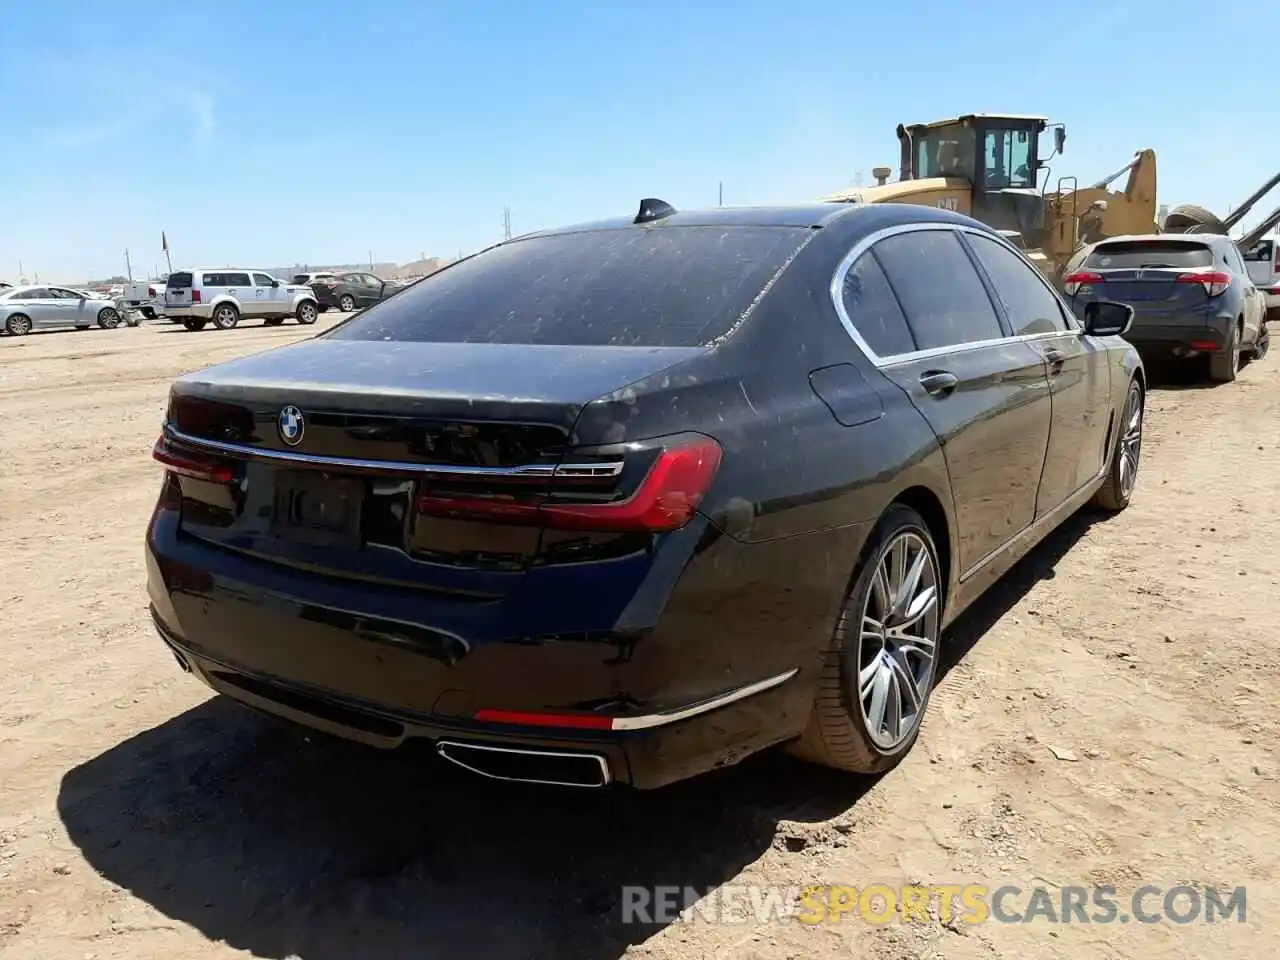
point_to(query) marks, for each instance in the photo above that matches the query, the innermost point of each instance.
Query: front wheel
(1122, 475)
(346, 303)
(880, 666)
(148, 313)
(108, 318)
(306, 313)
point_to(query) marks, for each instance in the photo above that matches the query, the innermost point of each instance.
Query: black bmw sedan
(627, 501)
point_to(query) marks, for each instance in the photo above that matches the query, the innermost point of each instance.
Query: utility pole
(128, 267)
(722, 193)
(857, 179)
(506, 223)
(371, 261)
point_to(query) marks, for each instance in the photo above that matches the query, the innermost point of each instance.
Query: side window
(1031, 307)
(236, 279)
(371, 280)
(261, 280)
(1260, 252)
(1007, 155)
(214, 280)
(873, 309)
(36, 293)
(939, 289)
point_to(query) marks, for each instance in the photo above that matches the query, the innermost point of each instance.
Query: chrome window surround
(866, 243)
(239, 450)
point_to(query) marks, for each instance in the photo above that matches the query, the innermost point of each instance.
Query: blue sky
(289, 131)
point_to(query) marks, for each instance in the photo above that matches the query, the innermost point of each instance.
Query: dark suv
(1191, 295)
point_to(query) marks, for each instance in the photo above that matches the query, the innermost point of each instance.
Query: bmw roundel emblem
(291, 425)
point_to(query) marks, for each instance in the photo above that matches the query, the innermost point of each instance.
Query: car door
(372, 291)
(240, 287)
(38, 304)
(985, 394)
(70, 307)
(1077, 368)
(268, 294)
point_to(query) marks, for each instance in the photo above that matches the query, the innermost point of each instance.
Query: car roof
(810, 214)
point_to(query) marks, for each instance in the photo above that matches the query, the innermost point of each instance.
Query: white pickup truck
(145, 296)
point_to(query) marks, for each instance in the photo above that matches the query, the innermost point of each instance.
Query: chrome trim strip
(648, 721)
(578, 470)
(867, 242)
(605, 776)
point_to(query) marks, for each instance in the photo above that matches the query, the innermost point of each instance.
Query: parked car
(1191, 296)
(1263, 263)
(630, 501)
(23, 309)
(145, 296)
(306, 279)
(226, 295)
(351, 291)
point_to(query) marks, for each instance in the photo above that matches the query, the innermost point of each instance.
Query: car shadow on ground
(287, 847)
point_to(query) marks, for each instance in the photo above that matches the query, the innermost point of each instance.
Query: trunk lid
(333, 447)
(177, 291)
(1151, 275)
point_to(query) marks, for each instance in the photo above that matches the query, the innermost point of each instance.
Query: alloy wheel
(1131, 441)
(898, 640)
(347, 304)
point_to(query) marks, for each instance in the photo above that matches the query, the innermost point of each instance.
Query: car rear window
(301, 278)
(1260, 252)
(179, 280)
(657, 286)
(1135, 254)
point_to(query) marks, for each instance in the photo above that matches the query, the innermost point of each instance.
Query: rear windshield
(659, 287)
(301, 278)
(179, 280)
(1136, 254)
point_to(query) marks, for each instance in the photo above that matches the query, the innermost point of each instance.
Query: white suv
(227, 295)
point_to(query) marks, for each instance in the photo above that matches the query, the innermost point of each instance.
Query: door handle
(938, 383)
(1055, 359)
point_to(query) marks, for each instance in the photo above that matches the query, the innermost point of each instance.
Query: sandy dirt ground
(1110, 719)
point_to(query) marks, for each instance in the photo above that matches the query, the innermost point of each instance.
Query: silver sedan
(23, 309)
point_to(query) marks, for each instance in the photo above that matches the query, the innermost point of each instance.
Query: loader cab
(997, 153)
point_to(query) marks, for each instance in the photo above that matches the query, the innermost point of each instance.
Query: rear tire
(1190, 218)
(885, 643)
(1122, 475)
(148, 313)
(1223, 366)
(108, 318)
(194, 324)
(306, 313)
(226, 316)
(18, 325)
(1264, 343)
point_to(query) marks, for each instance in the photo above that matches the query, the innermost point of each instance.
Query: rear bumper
(199, 311)
(1168, 337)
(726, 663)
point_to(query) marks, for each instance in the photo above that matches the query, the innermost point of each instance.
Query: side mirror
(1059, 138)
(275, 283)
(1107, 318)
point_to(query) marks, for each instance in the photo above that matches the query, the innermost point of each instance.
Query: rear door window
(1030, 305)
(1142, 254)
(236, 280)
(939, 288)
(663, 286)
(873, 310)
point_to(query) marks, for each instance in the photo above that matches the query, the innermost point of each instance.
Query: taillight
(195, 296)
(189, 463)
(1275, 267)
(665, 500)
(151, 291)
(1215, 283)
(1075, 281)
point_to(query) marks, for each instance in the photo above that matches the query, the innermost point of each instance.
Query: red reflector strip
(1203, 345)
(574, 721)
(191, 464)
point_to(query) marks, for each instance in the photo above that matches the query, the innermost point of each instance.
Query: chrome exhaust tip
(524, 765)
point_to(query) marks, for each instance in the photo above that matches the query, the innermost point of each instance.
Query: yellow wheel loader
(989, 166)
